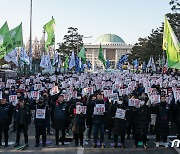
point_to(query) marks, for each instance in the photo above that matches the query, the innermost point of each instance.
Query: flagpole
(30, 43)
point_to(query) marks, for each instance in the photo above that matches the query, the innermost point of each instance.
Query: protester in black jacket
(60, 118)
(142, 119)
(118, 113)
(79, 115)
(162, 122)
(99, 118)
(23, 119)
(176, 117)
(5, 120)
(41, 117)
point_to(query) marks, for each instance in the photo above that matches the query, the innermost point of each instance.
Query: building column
(93, 59)
(116, 58)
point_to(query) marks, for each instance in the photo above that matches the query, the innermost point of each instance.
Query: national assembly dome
(109, 39)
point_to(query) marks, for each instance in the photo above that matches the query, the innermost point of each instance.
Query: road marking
(80, 150)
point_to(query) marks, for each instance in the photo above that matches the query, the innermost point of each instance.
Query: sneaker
(102, 145)
(16, 145)
(157, 144)
(166, 145)
(145, 146)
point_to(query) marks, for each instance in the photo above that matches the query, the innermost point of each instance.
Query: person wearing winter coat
(23, 119)
(142, 119)
(60, 118)
(40, 120)
(79, 115)
(99, 118)
(118, 113)
(5, 119)
(176, 117)
(162, 122)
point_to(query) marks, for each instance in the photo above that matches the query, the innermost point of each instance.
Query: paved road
(69, 147)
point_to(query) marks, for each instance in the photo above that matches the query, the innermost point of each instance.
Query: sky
(129, 19)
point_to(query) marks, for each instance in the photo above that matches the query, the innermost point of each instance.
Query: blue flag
(121, 61)
(89, 65)
(77, 69)
(136, 64)
(144, 66)
(72, 61)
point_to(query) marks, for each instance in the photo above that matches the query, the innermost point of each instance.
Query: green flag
(5, 40)
(49, 28)
(171, 45)
(82, 55)
(66, 62)
(101, 56)
(17, 36)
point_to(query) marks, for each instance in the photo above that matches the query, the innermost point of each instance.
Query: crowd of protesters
(125, 105)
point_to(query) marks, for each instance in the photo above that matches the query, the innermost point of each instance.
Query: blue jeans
(98, 127)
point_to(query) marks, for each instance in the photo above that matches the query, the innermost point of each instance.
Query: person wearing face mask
(79, 114)
(118, 113)
(142, 119)
(23, 115)
(162, 122)
(60, 116)
(41, 116)
(5, 119)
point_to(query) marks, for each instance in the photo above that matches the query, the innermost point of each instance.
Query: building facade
(113, 48)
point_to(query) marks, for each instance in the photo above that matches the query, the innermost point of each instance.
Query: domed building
(113, 48)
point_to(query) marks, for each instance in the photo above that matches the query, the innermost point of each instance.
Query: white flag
(12, 56)
(72, 61)
(24, 58)
(42, 63)
(48, 64)
(55, 58)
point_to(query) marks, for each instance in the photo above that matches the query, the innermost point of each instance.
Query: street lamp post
(30, 43)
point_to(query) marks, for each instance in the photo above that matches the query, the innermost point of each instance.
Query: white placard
(114, 97)
(108, 92)
(120, 114)
(81, 109)
(54, 90)
(137, 103)
(35, 95)
(40, 113)
(155, 99)
(13, 99)
(131, 102)
(99, 109)
(0, 94)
